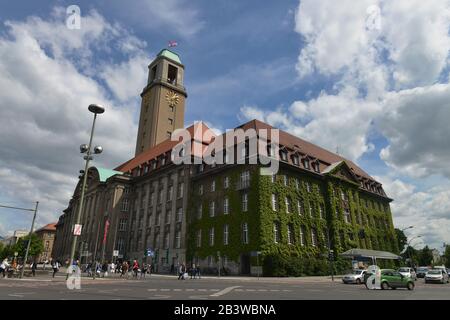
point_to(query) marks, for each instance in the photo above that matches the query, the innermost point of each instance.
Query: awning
(365, 253)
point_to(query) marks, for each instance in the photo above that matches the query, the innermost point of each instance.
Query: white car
(436, 275)
(356, 276)
(408, 272)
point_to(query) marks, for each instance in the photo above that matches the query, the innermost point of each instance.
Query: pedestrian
(4, 267)
(124, 269)
(197, 271)
(55, 267)
(135, 268)
(172, 269)
(193, 271)
(181, 271)
(143, 270)
(33, 268)
(105, 269)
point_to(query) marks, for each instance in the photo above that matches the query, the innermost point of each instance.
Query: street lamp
(410, 227)
(409, 251)
(95, 109)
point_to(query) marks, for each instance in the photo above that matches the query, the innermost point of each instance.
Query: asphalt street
(157, 287)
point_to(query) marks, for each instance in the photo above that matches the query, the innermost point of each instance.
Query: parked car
(356, 276)
(448, 271)
(422, 271)
(394, 279)
(408, 272)
(436, 275)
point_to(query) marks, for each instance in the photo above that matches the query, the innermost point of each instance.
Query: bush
(293, 266)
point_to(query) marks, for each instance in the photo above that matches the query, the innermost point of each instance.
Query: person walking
(124, 269)
(135, 268)
(4, 267)
(33, 268)
(193, 271)
(55, 267)
(181, 271)
(197, 271)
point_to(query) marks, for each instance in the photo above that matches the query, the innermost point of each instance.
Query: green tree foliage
(425, 256)
(36, 247)
(402, 240)
(447, 256)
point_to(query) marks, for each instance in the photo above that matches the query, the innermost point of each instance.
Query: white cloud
(43, 113)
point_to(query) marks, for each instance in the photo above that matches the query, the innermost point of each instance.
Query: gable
(341, 170)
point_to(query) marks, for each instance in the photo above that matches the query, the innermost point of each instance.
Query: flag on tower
(172, 43)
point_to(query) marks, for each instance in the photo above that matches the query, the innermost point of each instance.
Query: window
(180, 190)
(313, 237)
(180, 214)
(200, 190)
(170, 194)
(295, 160)
(153, 74)
(274, 178)
(199, 211)
(225, 205)
(288, 205)
(321, 211)
(245, 179)
(166, 240)
(276, 232)
(168, 134)
(308, 187)
(225, 234)
(172, 74)
(290, 234)
(213, 186)
(158, 219)
(199, 238)
(126, 190)
(297, 184)
(125, 205)
(120, 245)
(226, 182)
(170, 122)
(316, 167)
(310, 210)
(160, 196)
(178, 239)
(211, 237)
(283, 155)
(171, 108)
(302, 236)
(347, 215)
(274, 202)
(168, 216)
(212, 209)
(245, 233)
(306, 163)
(245, 202)
(285, 180)
(123, 225)
(300, 207)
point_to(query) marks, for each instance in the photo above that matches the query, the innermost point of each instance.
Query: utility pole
(31, 232)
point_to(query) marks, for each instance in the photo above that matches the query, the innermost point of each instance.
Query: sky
(369, 79)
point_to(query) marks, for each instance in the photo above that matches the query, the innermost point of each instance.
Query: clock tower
(162, 106)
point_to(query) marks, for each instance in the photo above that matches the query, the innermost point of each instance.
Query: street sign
(77, 230)
(115, 253)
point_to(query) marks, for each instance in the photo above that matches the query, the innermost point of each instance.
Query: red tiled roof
(196, 131)
(48, 227)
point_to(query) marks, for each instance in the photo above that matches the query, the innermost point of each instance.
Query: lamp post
(410, 227)
(409, 251)
(95, 109)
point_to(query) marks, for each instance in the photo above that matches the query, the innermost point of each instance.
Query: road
(157, 287)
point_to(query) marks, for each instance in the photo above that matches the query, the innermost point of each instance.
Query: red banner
(106, 231)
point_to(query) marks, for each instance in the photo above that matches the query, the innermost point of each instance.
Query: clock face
(172, 98)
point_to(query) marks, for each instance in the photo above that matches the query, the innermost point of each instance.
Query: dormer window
(306, 163)
(163, 161)
(283, 155)
(154, 165)
(295, 160)
(316, 167)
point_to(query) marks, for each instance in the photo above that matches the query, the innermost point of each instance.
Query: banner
(106, 231)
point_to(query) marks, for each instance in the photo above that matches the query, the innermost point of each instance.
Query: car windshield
(356, 272)
(403, 270)
(435, 272)
(422, 269)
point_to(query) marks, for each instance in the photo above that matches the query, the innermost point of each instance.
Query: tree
(447, 256)
(36, 247)
(412, 255)
(425, 256)
(402, 240)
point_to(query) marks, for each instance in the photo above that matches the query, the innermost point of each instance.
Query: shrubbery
(282, 266)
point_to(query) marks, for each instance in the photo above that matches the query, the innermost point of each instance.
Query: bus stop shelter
(356, 254)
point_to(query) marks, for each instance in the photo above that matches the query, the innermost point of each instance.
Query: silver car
(408, 272)
(356, 276)
(436, 275)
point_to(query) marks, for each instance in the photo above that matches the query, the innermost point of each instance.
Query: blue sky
(323, 70)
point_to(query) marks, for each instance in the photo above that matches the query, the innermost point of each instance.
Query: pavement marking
(159, 296)
(151, 289)
(224, 291)
(16, 295)
(262, 290)
(177, 289)
(189, 289)
(164, 289)
(239, 290)
(274, 290)
(214, 290)
(198, 297)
